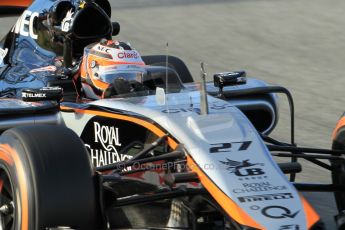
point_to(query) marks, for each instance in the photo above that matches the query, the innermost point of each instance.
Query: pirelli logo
(276, 196)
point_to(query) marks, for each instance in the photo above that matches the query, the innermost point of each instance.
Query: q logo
(278, 212)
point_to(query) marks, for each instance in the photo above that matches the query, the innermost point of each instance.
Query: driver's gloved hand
(68, 73)
(138, 87)
(122, 86)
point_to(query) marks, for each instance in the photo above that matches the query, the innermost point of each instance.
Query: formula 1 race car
(96, 136)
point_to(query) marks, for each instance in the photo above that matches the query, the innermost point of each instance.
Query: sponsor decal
(108, 137)
(278, 212)
(120, 55)
(226, 147)
(3, 53)
(25, 24)
(103, 49)
(100, 157)
(182, 110)
(110, 140)
(34, 95)
(247, 178)
(196, 110)
(258, 187)
(67, 22)
(289, 227)
(93, 64)
(50, 68)
(276, 196)
(128, 54)
(82, 4)
(242, 169)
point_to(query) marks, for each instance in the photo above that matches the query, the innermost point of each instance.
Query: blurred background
(299, 44)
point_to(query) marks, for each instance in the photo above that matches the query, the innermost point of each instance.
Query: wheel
(318, 226)
(173, 62)
(338, 172)
(46, 180)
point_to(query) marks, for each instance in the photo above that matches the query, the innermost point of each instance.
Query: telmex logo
(34, 95)
(24, 25)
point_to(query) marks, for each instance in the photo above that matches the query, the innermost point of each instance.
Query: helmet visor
(126, 75)
(108, 75)
(138, 81)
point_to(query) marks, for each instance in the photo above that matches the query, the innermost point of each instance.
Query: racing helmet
(110, 68)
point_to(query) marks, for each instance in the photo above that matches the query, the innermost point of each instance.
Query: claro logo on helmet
(126, 54)
(108, 138)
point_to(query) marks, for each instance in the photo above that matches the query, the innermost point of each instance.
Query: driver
(110, 68)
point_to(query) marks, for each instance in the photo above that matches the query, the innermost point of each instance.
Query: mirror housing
(116, 28)
(228, 79)
(42, 94)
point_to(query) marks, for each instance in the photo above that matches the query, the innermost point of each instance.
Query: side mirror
(116, 28)
(42, 94)
(221, 80)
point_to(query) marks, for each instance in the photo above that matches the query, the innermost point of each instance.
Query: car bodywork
(17, 3)
(225, 150)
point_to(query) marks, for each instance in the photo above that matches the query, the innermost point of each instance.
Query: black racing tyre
(338, 172)
(318, 226)
(46, 180)
(173, 62)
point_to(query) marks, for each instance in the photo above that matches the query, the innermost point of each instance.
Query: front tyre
(338, 171)
(7, 212)
(46, 180)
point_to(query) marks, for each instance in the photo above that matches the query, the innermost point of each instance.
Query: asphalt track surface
(299, 44)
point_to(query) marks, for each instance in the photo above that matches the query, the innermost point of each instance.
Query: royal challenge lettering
(107, 137)
(258, 187)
